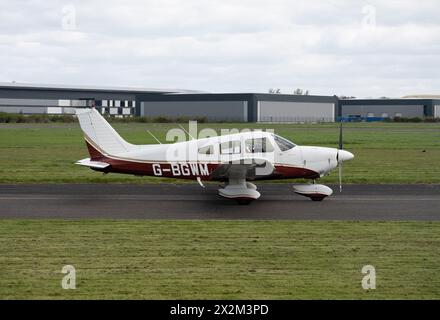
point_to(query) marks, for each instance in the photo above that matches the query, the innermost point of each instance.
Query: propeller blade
(340, 177)
(341, 143)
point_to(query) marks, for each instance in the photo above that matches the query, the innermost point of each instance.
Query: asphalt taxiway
(190, 201)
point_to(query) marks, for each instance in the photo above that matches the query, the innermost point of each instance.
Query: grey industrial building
(237, 107)
(50, 99)
(377, 109)
(242, 107)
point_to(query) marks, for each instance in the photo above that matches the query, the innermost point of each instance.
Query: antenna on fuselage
(181, 127)
(154, 136)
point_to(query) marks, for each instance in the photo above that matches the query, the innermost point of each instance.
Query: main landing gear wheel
(239, 190)
(244, 202)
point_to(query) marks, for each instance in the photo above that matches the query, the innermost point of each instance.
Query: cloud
(360, 48)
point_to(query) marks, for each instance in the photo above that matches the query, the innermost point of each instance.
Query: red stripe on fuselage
(194, 170)
(288, 172)
(94, 154)
(159, 169)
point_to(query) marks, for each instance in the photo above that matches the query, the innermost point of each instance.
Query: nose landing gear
(316, 192)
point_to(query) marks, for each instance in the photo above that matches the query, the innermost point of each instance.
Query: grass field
(385, 152)
(221, 259)
(218, 259)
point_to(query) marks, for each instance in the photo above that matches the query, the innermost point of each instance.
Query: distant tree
(301, 92)
(274, 91)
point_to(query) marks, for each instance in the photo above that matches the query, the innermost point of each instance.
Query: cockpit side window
(208, 150)
(283, 144)
(230, 147)
(258, 145)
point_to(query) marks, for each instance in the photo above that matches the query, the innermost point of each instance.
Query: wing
(244, 168)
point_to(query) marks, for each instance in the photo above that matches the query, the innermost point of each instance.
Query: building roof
(238, 96)
(62, 87)
(423, 96)
(399, 101)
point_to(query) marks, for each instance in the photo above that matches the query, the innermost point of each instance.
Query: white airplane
(233, 159)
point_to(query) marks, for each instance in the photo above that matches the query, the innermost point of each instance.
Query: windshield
(283, 144)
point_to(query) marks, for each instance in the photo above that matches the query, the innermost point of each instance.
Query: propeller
(341, 145)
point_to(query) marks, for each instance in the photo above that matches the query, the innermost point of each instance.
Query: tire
(243, 202)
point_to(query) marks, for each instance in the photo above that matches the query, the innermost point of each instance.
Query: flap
(244, 168)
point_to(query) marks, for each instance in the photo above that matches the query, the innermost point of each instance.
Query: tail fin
(101, 138)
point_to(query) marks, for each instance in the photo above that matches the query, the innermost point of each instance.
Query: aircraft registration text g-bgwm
(181, 169)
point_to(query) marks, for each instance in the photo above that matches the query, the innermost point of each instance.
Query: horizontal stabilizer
(92, 164)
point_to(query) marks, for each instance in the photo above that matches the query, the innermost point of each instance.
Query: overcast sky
(359, 48)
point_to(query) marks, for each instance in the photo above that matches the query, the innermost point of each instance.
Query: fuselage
(200, 158)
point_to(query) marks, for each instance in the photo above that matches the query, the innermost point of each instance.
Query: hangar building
(379, 109)
(237, 107)
(242, 107)
(174, 103)
(49, 99)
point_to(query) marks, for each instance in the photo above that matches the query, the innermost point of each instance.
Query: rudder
(101, 138)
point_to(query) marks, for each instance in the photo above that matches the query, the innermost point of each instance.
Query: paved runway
(278, 202)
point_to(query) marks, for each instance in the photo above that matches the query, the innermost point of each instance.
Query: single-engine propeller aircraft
(234, 159)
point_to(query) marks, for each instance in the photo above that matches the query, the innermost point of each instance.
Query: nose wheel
(317, 198)
(316, 192)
